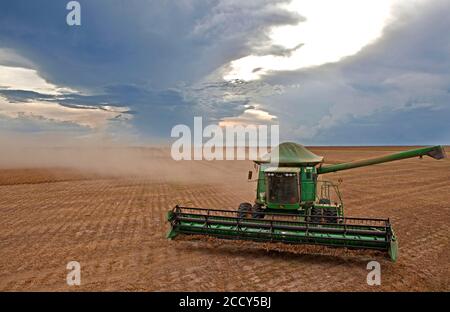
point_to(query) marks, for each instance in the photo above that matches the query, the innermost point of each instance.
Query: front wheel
(315, 215)
(332, 214)
(257, 211)
(244, 209)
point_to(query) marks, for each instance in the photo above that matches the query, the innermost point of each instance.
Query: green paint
(291, 185)
(393, 247)
(296, 232)
(308, 184)
(436, 152)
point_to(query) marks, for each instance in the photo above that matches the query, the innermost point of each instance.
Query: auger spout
(436, 152)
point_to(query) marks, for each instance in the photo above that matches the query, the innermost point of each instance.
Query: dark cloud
(416, 126)
(156, 43)
(154, 112)
(375, 96)
(24, 95)
(163, 60)
(138, 53)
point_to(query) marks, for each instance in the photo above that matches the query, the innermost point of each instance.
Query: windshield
(282, 188)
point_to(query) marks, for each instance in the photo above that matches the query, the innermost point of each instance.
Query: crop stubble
(114, 225)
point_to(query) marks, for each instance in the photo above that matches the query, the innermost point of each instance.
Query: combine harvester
(293, 206)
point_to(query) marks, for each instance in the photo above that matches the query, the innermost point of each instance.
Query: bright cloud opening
(332, 30)
(85, 116)
(26, 79)
(251, 116)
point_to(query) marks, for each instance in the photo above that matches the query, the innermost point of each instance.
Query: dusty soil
(114, 225)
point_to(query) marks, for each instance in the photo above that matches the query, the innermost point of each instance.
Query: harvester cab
(282, 187)
(288, 182)
(294, 205)
(297, 189)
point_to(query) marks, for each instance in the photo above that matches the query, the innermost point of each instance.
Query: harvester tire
(332, 214)
(244, 209)
(257, 211)
(316, 214)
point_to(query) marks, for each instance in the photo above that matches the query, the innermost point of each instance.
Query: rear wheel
(257, 211)
(244, 209)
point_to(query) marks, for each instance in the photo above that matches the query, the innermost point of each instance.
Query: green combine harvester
(293, 206)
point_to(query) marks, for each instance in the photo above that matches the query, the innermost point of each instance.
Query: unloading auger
(293, 206)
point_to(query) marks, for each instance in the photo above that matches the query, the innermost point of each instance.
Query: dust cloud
(99, 155)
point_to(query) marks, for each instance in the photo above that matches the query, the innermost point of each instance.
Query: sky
(348, 72)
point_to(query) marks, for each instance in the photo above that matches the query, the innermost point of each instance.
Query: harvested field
(114, 225)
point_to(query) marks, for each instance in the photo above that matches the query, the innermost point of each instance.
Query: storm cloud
(144, 66)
